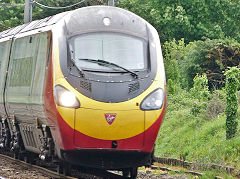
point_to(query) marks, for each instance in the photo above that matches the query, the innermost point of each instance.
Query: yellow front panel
(67, 113)
(151, 117)
(93, 123)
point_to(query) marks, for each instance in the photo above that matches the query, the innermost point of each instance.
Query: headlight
(65, 97)
(153, 101)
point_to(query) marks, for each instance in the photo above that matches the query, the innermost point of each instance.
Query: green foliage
(211, 57)
(173, 52)
(11, 16)
(200, 88)
(189, 19)
(171, 87)
(198, 107)
(232, 84)
(179, 100)
(195, 137)
(172, 71)
(211, 174)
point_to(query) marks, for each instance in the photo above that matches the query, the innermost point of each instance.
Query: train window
(41, 59)
(22, 63)
(20, 66)
(127, 51)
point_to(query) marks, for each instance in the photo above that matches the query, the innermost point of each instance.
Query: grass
(213, 173)
(196, 138)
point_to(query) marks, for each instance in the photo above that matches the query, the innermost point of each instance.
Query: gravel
(163, 175)
(11, 170)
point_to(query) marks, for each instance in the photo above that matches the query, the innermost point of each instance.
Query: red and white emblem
(110, 118)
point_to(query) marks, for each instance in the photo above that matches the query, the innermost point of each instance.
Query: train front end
(109, 91)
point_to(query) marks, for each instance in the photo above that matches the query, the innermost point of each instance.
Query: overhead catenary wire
(57, 8)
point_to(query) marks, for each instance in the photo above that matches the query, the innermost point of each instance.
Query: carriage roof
(37, 24)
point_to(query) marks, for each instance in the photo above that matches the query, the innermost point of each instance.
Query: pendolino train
(86, 86)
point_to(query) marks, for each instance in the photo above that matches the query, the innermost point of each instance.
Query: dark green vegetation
(189, 19)
(232, 84)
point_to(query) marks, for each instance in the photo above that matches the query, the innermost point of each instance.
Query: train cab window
(127, 51)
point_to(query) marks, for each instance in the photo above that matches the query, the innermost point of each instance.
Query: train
(85, 86)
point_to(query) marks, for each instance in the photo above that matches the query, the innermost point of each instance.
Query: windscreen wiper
(106, 63)
(78, 69)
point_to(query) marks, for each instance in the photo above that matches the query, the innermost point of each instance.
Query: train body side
(24, 67)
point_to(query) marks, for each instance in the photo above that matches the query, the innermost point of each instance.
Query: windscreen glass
(127, 51)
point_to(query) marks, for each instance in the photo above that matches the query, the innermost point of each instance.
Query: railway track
(75, 172)
(52, 172)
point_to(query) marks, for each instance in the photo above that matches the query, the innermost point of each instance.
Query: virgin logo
(110, 118)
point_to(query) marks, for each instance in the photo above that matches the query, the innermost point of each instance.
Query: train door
(39, 74)
(20, 77)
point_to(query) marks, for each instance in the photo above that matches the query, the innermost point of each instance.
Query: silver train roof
(86, 18)
(37, 24)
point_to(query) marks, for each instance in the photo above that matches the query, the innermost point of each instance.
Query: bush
(232, 84)
(200, 88)
(181, 99)
(212, 57)
(173, 53)
(217, 104)
(198, 107)
(171, 88)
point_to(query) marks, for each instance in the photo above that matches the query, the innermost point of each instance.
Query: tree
(189, 19)
(232, 84)
(212, 57)
(11, 15)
